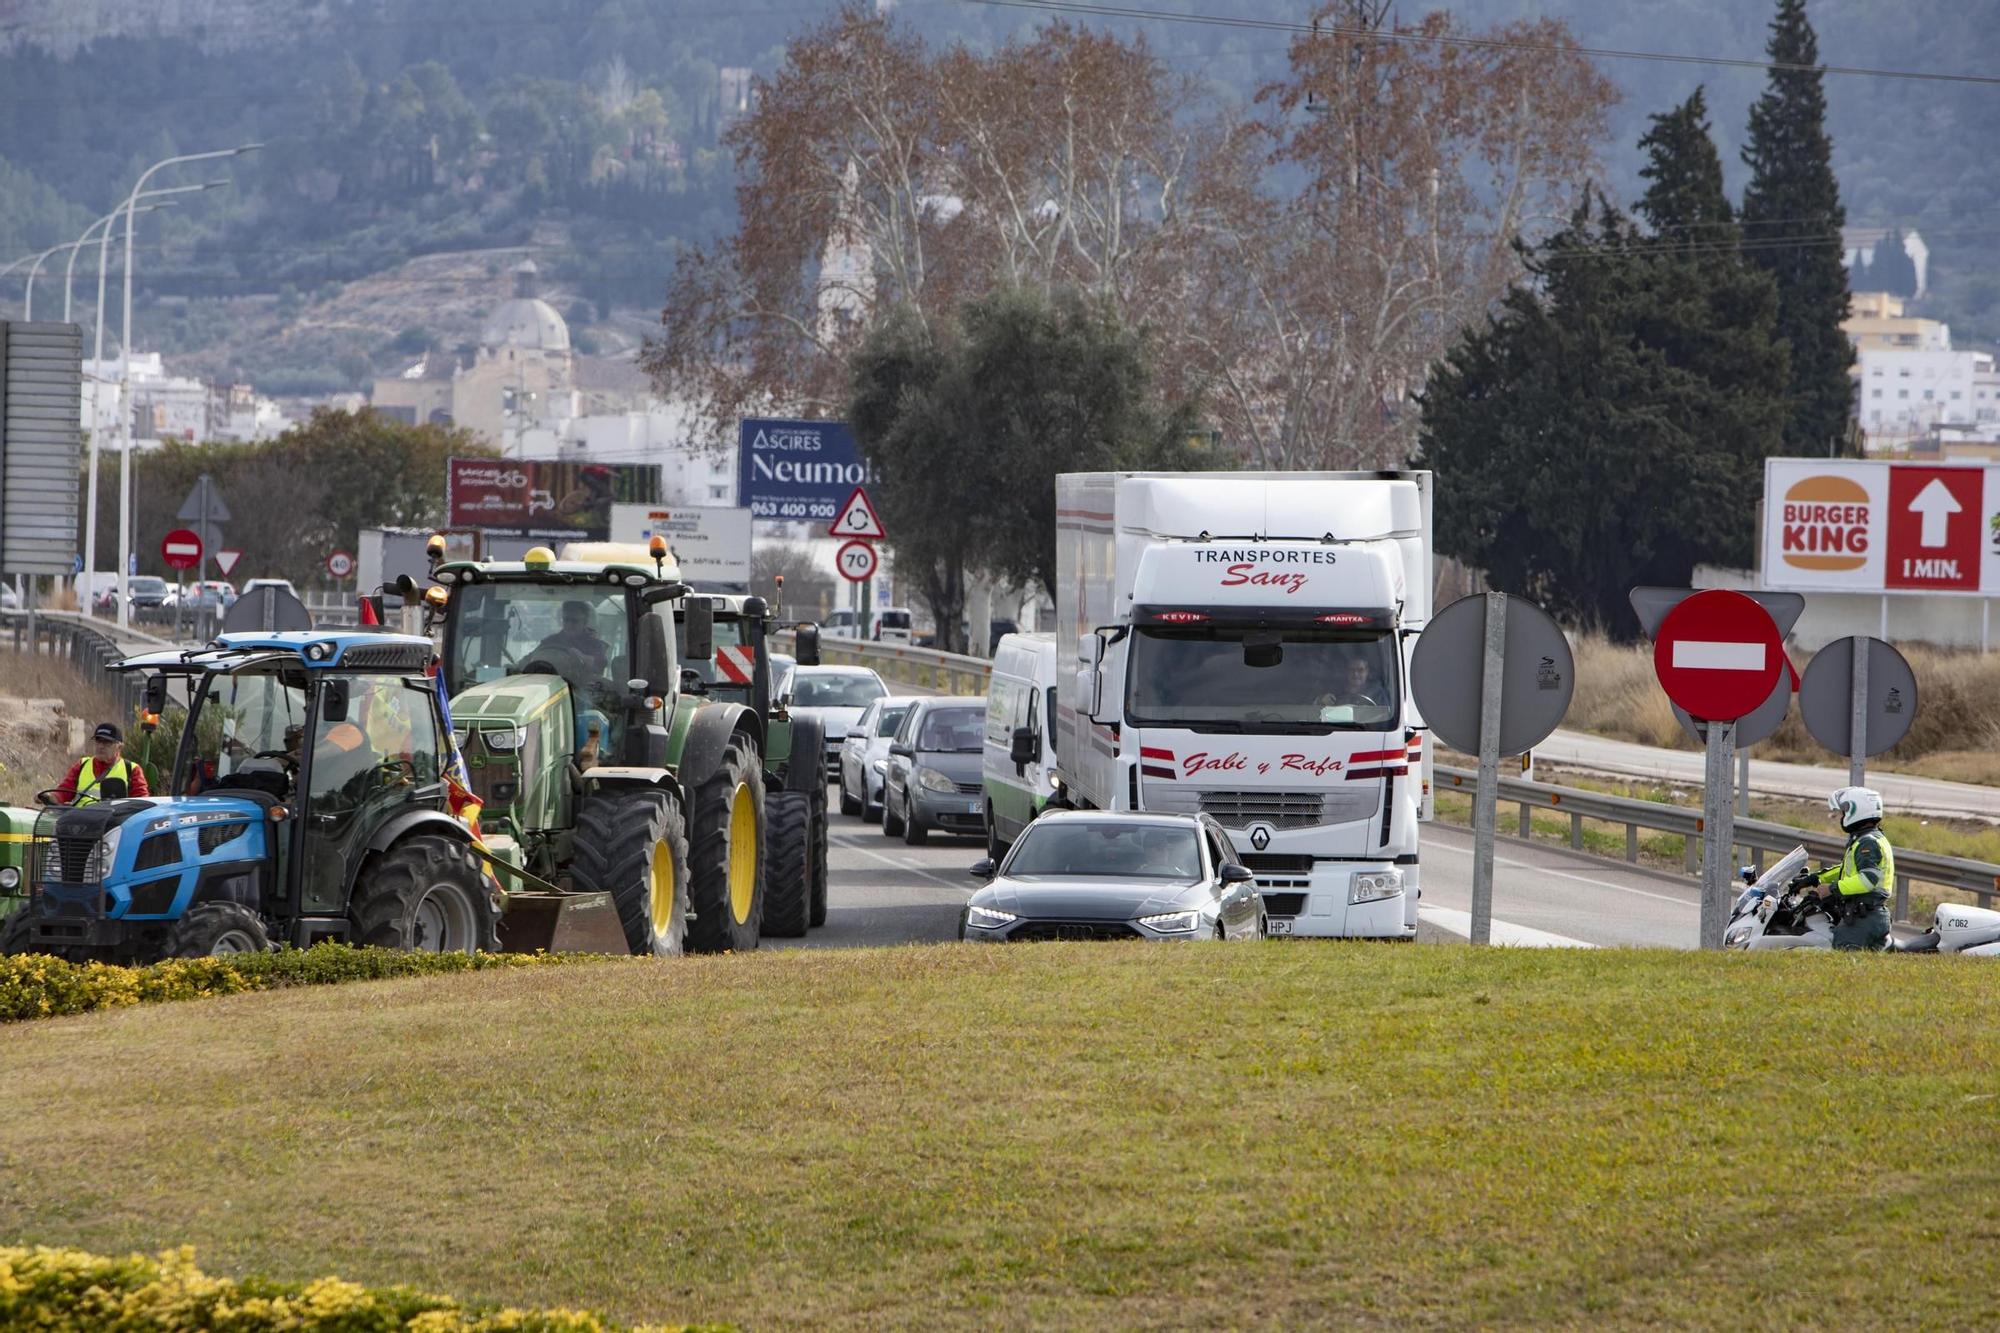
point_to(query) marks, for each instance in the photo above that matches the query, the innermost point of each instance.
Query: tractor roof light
(539, 558)
(446, 576)
(319, 652)
(436, 598)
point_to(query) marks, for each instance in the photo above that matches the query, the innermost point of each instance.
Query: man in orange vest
(84, 784)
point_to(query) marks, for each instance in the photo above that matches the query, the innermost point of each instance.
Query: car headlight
(932, 780)
(879, 767)
(1737, 935)
(1172, 923)
(987, 918)
(1375, 885)
(10, 878)
(98, 864)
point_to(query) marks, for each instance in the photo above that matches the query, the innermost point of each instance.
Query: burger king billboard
(1851, 526)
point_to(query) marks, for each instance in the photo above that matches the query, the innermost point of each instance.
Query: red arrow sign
(181, 548)
(1718, 655)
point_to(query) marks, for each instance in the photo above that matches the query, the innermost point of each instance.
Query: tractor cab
(306, 762)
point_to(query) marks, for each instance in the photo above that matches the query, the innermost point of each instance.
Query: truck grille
(1279, 809)
(1284, 904)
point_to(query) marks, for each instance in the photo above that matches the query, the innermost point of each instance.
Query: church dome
(526, 321)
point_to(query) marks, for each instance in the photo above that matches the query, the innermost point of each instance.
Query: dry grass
(29, 760)
(1069, 1135)
(1955, 735)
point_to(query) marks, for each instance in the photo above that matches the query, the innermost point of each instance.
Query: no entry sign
(1718, 655)
(181, 549)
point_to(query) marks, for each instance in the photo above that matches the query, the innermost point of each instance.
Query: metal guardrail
(926, 668)
(1758, 837)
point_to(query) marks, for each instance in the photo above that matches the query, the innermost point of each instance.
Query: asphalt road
(883, 892)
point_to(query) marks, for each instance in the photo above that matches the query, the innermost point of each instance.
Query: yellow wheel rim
(663, 888)
(742, 853)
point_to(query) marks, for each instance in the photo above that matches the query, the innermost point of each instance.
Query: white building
(173, 407)
(1904, 393)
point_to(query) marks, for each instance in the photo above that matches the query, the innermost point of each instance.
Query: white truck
(1238, 643)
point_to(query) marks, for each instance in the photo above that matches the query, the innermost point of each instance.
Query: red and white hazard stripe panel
(1377, 764)
(737, 664)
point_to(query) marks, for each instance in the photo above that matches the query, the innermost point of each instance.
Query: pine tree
(1792, 218)
(1893, 270)
(1685, 202)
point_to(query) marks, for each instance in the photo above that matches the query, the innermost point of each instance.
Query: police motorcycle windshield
(1772, 881)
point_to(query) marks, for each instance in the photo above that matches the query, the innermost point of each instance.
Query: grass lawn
(1210, 1135)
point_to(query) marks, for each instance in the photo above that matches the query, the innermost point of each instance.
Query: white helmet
(1855, 805)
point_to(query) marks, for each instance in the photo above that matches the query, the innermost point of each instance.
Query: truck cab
(1239, 647)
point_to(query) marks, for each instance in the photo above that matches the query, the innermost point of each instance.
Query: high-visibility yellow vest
(1849, 878)
(88, 780)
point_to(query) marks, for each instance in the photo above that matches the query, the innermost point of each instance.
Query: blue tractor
(308, 802)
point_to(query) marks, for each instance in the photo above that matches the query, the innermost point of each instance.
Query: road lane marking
(1580, 879)
(1504, 933)
(910, 870)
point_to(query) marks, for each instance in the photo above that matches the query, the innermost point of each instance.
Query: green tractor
(597, 760)
(17, 831)
(723, 638)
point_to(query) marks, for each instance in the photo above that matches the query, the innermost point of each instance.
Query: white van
(1020, 754)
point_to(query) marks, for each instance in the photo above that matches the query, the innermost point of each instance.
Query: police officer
(1859, 885)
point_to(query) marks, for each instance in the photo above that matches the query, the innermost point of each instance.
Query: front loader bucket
(561, 923)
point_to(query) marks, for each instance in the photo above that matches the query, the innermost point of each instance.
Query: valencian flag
(457, 779)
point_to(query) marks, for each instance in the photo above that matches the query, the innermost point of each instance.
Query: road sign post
(1505, 705)
(1857, 714)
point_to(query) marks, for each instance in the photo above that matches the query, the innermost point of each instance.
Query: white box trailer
(1238, 643)
(712, 543)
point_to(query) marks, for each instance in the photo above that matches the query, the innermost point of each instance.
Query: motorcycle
(1777, 909)
(1974, 931)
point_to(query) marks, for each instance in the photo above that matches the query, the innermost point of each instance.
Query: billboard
(1861, 526)
(711, 545)
(519, 494)
(797, 470)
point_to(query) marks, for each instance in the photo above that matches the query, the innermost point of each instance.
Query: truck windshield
(1262, 680)
(576, 632)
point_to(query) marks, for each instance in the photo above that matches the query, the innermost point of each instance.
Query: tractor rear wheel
(217, 929)
(426, 893)
(788, 877)
(15, 930)
(726, 851)
(633, 845)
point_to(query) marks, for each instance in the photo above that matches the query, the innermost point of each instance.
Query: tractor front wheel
(425, 894)
(726, 851)
(633, 845)
(217, 929)
(15, 930)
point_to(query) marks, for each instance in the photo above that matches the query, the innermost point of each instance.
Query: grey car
(864, 756)
(933, 780)
(1095, 875)
(837, 696)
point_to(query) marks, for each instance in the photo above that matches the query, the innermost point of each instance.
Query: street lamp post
(125, 370)
(75, 247)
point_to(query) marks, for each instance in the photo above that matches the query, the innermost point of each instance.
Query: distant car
(836, 695)
(782, 667)
(864, 755)
(210, 595)
(9, 599)
(1095, 875)
(146, 592)
(893, 624)
(932, 781)
(252, 585)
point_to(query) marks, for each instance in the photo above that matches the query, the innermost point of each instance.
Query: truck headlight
(932, 780)
(1172, 923)
(987, 918)
(1375, 885)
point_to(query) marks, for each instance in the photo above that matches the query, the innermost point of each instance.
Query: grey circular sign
(1537, 677)
(1753, 726)
(1826, 696)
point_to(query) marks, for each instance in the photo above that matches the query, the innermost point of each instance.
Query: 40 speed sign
(856, 561)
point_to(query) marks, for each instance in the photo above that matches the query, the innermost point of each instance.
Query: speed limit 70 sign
(856, 561)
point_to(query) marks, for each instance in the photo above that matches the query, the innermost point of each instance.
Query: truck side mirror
(656, 656)
(333, 701)
(156, 694)
(805, 644)
(700, 627)
(1025, 749)
(1089, 684)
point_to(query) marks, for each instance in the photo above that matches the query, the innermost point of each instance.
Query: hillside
(591, 130)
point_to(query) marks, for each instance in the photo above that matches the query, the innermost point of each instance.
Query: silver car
(836, 695)
(1095, 875)
(933, 781)
(864, 755)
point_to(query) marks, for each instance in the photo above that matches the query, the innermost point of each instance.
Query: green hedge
(54, 1289)
(38, 986)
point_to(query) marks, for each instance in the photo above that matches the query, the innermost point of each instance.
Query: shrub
(47, 1288)
(39, 986)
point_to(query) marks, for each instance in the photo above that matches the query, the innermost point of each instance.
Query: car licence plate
(1279, 925)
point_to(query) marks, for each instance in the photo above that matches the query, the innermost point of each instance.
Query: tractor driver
(579, 636)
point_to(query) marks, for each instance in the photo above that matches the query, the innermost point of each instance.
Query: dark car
(933, 779)
(1096, 875)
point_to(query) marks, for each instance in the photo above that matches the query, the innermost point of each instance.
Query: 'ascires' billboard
(1856, 526)
(797, 470)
